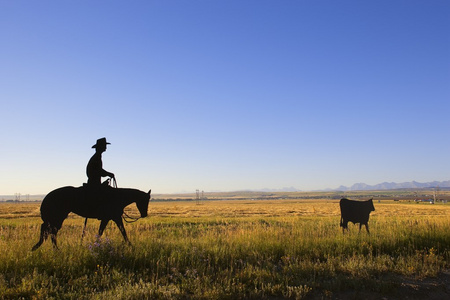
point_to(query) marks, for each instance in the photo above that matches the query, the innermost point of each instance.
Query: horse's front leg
(119, 223)
(102, 227)
(84, 229)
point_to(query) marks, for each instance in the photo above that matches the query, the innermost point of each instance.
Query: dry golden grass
(19, 210)
(228, 250)
(285, 208)
(321, 207)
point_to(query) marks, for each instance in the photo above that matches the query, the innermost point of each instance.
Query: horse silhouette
(105, 204)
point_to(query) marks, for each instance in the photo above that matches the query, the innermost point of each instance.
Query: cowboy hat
(101, 141)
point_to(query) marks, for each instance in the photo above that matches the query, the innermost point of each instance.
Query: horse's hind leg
(54, 232)
(54, 228)
(43, 237)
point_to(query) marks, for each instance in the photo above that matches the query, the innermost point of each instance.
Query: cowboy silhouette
(94, 169)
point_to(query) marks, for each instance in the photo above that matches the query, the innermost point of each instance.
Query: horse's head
(142, 203)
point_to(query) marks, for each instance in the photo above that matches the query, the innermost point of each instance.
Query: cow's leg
(119, 223)
(360, 225)
(344, 226)
(102, 227)
(367, 228)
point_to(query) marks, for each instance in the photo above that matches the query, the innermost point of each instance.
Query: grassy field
(232, 250)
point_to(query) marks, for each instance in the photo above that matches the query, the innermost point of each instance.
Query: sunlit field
(268, 249)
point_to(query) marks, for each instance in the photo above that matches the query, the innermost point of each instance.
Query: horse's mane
(129, 191)
(121, 190)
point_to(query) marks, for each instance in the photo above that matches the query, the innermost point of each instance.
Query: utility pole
(436, 194)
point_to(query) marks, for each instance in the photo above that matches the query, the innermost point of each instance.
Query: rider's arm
(107, 174)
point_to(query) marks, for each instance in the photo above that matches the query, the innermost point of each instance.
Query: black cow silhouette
(355, 212)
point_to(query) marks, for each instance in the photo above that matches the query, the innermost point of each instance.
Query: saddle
(96, 193)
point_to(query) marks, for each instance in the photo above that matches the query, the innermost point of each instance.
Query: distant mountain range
(366, 187)
(393, 186)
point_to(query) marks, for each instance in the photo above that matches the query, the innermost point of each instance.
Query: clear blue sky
(224, 95)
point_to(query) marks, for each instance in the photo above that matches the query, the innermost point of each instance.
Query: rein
(114, 182)
(129, 217)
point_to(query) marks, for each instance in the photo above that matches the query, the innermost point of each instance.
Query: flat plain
(233, 249)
